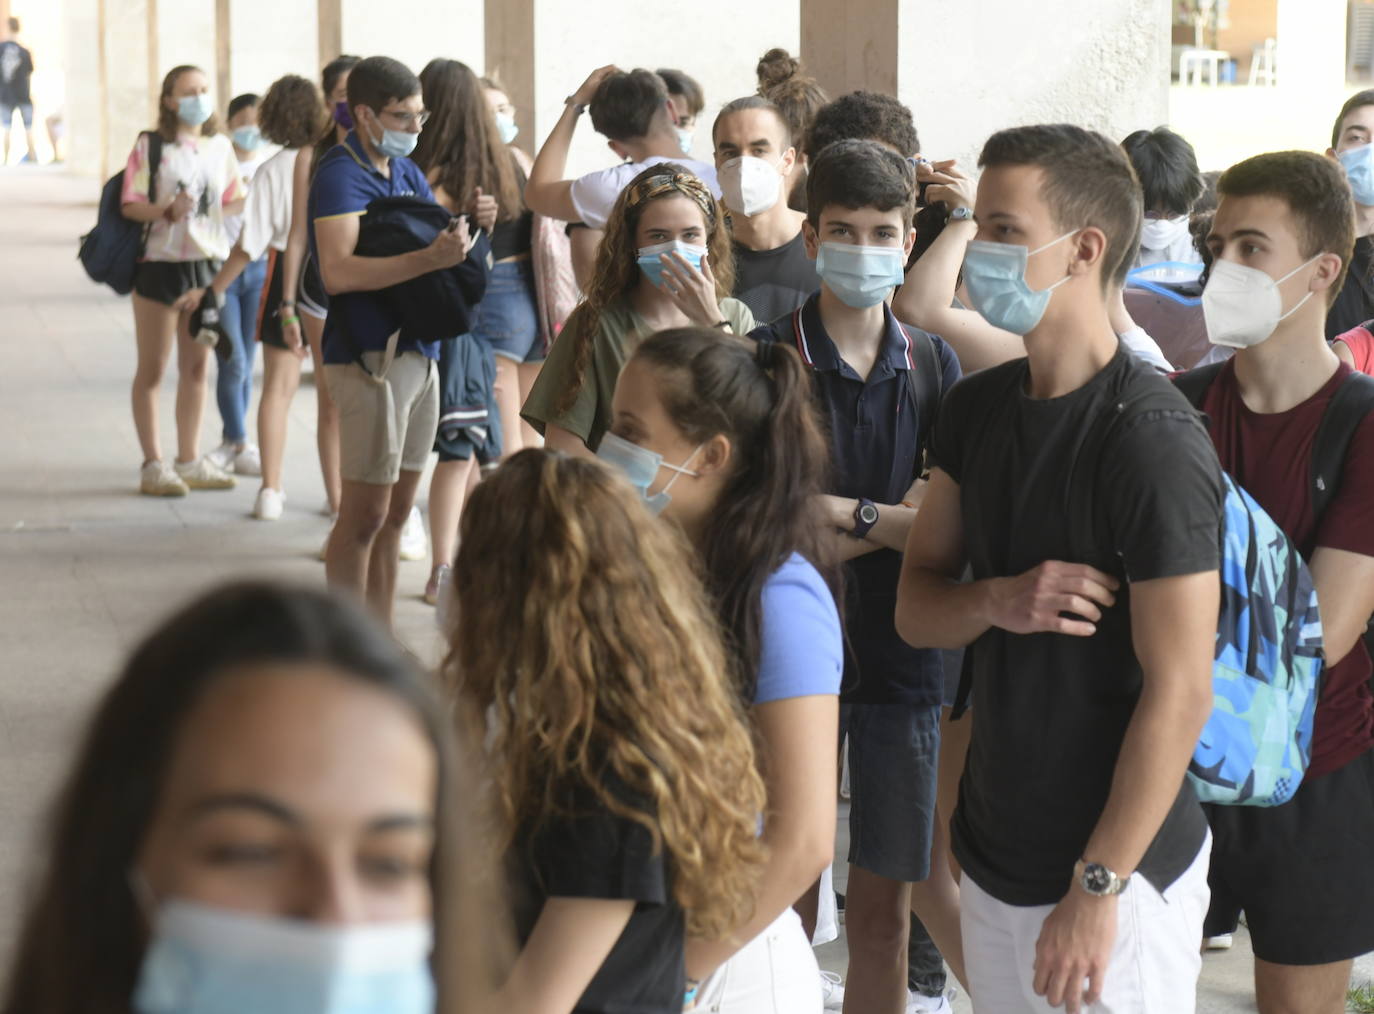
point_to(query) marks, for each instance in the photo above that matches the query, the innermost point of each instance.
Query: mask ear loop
(680, 470)
(1296, 306)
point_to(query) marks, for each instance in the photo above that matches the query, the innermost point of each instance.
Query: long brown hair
(84, 914)
(168, 123)
(582, 630)
(758, 395)
(617, 267)
(460, 144)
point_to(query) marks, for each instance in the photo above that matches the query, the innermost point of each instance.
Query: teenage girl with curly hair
(665, 261)
(621, 769)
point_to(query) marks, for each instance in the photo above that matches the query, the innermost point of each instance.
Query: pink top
(209, 172)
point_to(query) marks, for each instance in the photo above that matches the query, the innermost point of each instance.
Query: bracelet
(724, 325)
(293, 319)
(288, 302)
(578, 107)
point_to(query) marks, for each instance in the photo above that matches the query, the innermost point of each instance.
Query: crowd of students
(829, 442)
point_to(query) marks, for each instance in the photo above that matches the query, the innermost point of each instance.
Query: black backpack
(110, 251)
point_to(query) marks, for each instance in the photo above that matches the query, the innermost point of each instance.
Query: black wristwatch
(1097, 880)
(865, 517)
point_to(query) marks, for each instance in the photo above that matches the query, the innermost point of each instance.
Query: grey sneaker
(156, 479)
(204, 474)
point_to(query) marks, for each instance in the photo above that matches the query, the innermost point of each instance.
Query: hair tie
(765, 356)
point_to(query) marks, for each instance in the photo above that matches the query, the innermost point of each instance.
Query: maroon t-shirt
(1270, 456)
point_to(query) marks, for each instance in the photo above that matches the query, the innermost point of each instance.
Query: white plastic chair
(1263, 68)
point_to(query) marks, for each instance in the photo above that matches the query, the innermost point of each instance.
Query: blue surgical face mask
(247, 138)
(651, 263)
(205, 960)
(394, 143)
(1359, 170)
(193, 110)
(505, 123)
(684, 139)
(861, 276)
(641, 467)
(995, 275)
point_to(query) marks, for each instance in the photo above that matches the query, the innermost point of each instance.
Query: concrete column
(128, 86)
(510, 57)
(83, 37)
(851, 45)
(329, 17)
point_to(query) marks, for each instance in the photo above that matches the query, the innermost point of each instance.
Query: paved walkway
(87, 565)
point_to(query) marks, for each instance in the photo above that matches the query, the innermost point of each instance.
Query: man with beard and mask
(755, 159)
(1169, 176)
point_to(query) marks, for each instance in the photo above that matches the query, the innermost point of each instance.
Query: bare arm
(1345, 589)
(926, 299)
(798, 744)
(297, 239)
(584, 243)
(936, 610)
(344, 271)
(146, 213)
(546, 190)
(1343, 352)
(558, 439)
(569, 944)
(1173, 629)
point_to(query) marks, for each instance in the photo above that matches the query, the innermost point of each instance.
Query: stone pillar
(851, 45)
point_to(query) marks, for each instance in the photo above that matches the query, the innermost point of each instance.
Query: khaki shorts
(385, 426)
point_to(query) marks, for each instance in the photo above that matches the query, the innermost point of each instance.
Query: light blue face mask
(505, 124)
(193, 110)
(394, 143)
(684, 139)
(1359, 170)
(641, 468)
(995, 275)
(205, 960)
(247, 138)
(651, 263)
(861, 276)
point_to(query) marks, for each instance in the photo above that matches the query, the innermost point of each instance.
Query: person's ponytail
(759, 395)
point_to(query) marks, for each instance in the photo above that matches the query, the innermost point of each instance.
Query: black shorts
(167, 281)
(269, 306)
(1303, 872)
(311, 298)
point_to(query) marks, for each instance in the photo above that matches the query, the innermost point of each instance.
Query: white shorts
(775, 973)
(1155, 960)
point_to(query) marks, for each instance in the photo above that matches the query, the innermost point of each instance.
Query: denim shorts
(507, 318)
(894, 753)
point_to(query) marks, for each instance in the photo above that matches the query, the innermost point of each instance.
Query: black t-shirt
(597, 854)
(515, 236)
(773, 283)
(16, 68)
(1052, 709)
(1355, 302)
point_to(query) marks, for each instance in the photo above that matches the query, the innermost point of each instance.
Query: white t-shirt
(205, 168)
(267, 215)
(233, 224)
(595, 194)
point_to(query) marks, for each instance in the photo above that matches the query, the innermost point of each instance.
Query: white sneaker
(248, 461)
(919, 1003)
(156, 479)
(222, 457)
(832, 993)
(204, 474)
(269, 504)
(1221, 942)
(414, 542)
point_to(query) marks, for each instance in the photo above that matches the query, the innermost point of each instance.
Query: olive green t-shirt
(612, 345)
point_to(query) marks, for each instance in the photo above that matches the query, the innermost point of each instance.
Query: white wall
(718, 42)
(269, 38)
(415, 31)
(186, 34)
(970, 69)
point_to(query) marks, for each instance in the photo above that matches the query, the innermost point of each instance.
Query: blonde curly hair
(582, 635)
(617, 266)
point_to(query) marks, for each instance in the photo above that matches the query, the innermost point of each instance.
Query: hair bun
(776, 68)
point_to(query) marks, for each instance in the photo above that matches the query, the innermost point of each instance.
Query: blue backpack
(110, 251)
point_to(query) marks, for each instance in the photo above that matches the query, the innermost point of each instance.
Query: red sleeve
(1349, 521)
(1360, 342)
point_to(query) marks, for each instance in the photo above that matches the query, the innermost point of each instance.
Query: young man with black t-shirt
(1083, 848)
(16, 70)
(1351, 146)
(1302, 872)
(755, 159)
(874, 388)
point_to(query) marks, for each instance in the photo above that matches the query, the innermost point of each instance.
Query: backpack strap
(1194, 383)
(927, 382)
(1353, 400)
(154, 163)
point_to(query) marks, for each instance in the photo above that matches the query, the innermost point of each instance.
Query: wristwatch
(963, 213)
(578, 107)
(865, 517)
(1097, 880)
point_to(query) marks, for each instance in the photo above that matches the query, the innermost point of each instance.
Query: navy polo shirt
(876, 445)
(345, 183)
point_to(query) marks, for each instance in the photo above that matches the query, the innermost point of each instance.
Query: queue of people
(751, 470)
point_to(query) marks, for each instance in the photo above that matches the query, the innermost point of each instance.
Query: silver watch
(963, 213)
(1097, 880)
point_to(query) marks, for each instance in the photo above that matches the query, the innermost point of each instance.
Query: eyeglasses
(408, 120)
